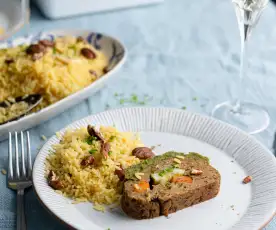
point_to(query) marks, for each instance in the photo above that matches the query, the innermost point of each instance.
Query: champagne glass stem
(248, 116)
(244, 32)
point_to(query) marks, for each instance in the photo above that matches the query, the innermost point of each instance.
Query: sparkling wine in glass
(250, 117)
(14, 14)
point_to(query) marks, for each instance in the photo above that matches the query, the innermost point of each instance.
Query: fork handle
(21, 222)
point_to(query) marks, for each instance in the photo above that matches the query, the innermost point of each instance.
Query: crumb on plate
(99, 207)
(3, 171)
(247, 179)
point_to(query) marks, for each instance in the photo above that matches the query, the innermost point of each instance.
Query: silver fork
(20, 178)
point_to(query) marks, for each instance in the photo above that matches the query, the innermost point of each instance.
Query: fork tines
(23, 164)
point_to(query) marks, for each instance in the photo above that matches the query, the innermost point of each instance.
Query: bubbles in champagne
(248, 13)
(250, 5)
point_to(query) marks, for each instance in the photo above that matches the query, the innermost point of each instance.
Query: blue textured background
(177, 51)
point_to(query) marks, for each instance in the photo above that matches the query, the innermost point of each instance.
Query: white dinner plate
(234, 153)
(111, 47)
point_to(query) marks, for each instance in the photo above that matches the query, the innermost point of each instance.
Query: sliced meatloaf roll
(167, 183)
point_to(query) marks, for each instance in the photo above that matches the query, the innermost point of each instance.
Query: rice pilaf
(12, 111)
(53, 69)
(96, 183)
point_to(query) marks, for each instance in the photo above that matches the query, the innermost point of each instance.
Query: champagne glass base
(249, 117)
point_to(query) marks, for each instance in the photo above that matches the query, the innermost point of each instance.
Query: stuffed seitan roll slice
(168, 183)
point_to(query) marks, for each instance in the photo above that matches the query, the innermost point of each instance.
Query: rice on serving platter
(12, 111)
(53, 69)
(97, 184)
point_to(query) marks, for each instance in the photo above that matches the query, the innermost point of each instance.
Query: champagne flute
(14, 14)
(250, 117)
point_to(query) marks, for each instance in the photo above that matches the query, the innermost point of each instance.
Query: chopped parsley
(54, 50)
(74, 48)
(134, 98)
(92, 151)
(122, 101)
(118, 94)
(194, 98)
(109, 153)
(184, 107)
(89, 140)
(112, 138)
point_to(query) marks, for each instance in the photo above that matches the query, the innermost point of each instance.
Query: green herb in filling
(162, 173)
(165, 175)
(166, 170)
(140, 167)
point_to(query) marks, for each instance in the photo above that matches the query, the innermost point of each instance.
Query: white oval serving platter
(234, 153)
(111, 47)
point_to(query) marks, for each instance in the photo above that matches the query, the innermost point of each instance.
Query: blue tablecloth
(181, 53)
